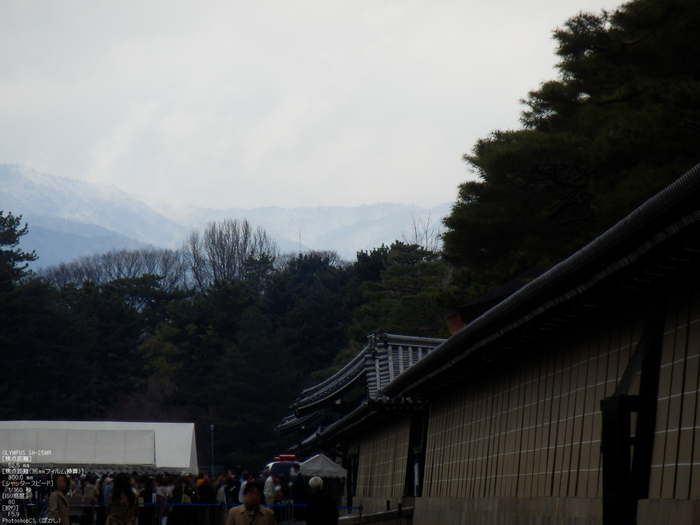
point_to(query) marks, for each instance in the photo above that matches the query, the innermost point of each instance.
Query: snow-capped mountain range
(68, 218)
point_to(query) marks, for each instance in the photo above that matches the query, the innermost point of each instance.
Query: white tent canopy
(89, 449)
(103, 445)
(323, 467)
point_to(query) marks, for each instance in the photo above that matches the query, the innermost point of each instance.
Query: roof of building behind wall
(391, 355)
(384, 357)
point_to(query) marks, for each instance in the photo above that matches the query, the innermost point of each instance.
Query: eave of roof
(670, 209)
(309, 392)
(292, 423)
(351, 375)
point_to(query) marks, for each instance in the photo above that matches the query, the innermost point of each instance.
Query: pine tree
(621, 122)
(13, 260)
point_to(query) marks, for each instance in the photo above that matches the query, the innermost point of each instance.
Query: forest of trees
(228, 331)
(224, 331)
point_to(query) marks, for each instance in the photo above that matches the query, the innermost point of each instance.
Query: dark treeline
(227, 331)
(102, 268)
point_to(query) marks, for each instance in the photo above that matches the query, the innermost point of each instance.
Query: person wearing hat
(251, 512)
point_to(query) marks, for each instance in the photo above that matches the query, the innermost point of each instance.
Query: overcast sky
(259, 103)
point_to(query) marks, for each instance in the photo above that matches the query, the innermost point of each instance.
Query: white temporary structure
(101, 445)
(88, 449)
(323, 467)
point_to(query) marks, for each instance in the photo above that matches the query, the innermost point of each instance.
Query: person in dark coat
(122, 504)
(181, 514)
(148, 511)
(234, 484)
(321, 508)
(89, 499)
(100, 496)
(298, 493)
(206, 494)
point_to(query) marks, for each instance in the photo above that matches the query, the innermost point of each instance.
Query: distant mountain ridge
(32, 193)
(69, 218)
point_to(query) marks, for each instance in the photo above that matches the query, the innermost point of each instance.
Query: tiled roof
(387, 356)
(345, 380)
(290, 423)
(383, 358)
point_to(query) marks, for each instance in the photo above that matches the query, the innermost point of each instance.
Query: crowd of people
(230, 499)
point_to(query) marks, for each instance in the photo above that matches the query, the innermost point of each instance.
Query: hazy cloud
(297, 103)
